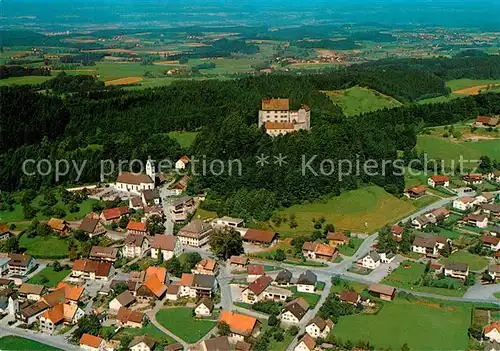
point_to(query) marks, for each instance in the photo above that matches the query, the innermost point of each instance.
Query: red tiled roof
(279, 125)
(134, 178)
(91, 340)
(187, 279)
(262, 236)
(337, 236)
(440, 178)
(242, 260)
(114, 213)
(490, 327)
(138, 226)
(396, 229)
(238, 323)
(164, 242)
(255, 269)
(490, 239)
(260, 284)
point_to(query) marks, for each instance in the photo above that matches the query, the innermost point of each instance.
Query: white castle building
(277, 117)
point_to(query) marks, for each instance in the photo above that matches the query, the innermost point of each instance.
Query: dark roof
(307, 278)
(262, 236)
(242, 346)
(103, 252)
(495, 229)
(284, 276)
(456, 266)
(148, 340)
(207, 302)
(19, 259)
(319, 322)
(88, 224)
(220, 343)
(174, 347)
(260, 284)
(150, 194)
(134, 239)
(182, 200)
(204, 281)
(194, 229)
(125, 298)
(374, 255)
(349, 296)
(297, 307)
(34, 309)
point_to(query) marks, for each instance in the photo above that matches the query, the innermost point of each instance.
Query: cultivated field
(357, 100)
(124, 81)
(423, 325)
(470, 86)
(362, 210)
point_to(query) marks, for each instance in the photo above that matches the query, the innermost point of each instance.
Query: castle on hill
(276, 116)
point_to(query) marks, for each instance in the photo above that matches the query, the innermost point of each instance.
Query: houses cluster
(429, 218)
(429, 244)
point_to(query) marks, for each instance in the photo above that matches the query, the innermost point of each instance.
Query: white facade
(140, 347)
(306, 288)
(493, 335)
(462, 206)
(313, 330)
(167, 254)
(202, 310)
(369, 262)
(132, 251)
(289, 318)
(302, 347)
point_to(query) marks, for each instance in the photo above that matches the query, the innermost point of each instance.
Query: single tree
(226, 242)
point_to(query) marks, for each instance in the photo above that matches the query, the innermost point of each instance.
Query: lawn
(362, 210)
(475, 262)
(424, 201)
(447, 150)
(45, 246)
(349, 250)
(24, 80)
(181, 322)
(358, 100)
(345, 284)
(311, 299)
(150, 329)
(420, 324)
(450, 233)
(185, 139)
(17, 343)
(53, 276)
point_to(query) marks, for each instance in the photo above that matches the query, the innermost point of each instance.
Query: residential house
(492, 332)
(9, 302)
(242, 346)
(456, 270)
(241, 326)
(206, 266)
(61, 313)
(277, 294)
(254, 292)
(307, 343)
(103, 253)
(159, 272)
(473, 179)
(182, 162)
(129, 319)
(307, 282)
(178, 187)
(92, 225)
(239, 262)
(491, 209)
(350, 297)
(173, 292)
(59, 225)
(142, 343)
(284, 278)
(193, 285)
(204, 307)
(30, 313)
(154, 286)
(416, 192)
(494, 271)
(166, 245)
(93, 270)
(135, 245)
(92, 343)
(135, 182)
(397, 233)
(387, 257)
(484, 198)
(429, 244)
(182, 208)
(422, 221)
(32, 292)
(318, 250)
(319, 327)
(383, 292)
(219, 343)
(4, 232)
(371, 260)
(125, 299)
(476, 220)
(227, 222)
(20, 264)
(337, 238)
(255, 271)
(495, 230)
(72, 293)
(464, 203)
(294, 311)
(150, 197)
(441, 213)
(196, 233)
(491, 242)
(137, 228)
(110, 215)
(259, 237)
(439, 180)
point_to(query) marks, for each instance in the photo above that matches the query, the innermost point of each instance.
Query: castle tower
(150, 169)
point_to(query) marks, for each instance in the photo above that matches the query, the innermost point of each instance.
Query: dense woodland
(124, 125)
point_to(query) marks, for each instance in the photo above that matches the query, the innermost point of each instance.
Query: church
(136, 183)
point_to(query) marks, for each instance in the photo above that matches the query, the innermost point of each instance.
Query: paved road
(165, 196)
(56, 341)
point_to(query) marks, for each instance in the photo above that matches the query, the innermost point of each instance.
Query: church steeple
(150, 169)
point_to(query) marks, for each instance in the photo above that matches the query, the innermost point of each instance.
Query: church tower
(150, 169)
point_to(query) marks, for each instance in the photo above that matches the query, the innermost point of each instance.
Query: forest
(20, 71)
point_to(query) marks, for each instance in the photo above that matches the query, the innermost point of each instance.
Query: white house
(307, 343)
(182, 162)
(293, 312)
(135, 245)
(227, 222)
(456, 270)
(307, 282)
(134, 183)
(204, 307)
(167, 245)
(477, 220)
(318, 327)
(494, 271)
(484, 198)
(371, 260)
(92, 343)
(142, 343)
(464, 203)
(125, 299)
(439, 180)
(492, 332)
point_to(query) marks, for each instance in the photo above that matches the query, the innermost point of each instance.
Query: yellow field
(123, 81)
(475, 90)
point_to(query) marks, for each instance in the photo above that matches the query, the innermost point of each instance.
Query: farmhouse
(485, 121)
(92, 225)
(153, 288)
(294, 311)
(476, 220)
(239, 262)
(438, 180)
(93, 270)
(135, 245)
(254, 292)
(182, 208)
(194, 285)
(72, 293)
(125, 299)
(182, 162)
(491, 242)
(59, 225)
(165, 245)
(195, 234)
(318, 250)
(240, 325)
(254, 271)
(128, 318)
(319, 327)
(371, 260)
(29, 314)
(60, 313)
(492, 332)
(103, 253)
(307, 343)
(205, 266)
(307, 282)
(204, 307)
(138, 228)
(92, 343)
(350, 297)
(337, 238)
(464, 203)
(384, 292)
(20, 264)
(220, 343)
(4, 232)
(276, 116)
(110, 215)
(260, 237)
(456, 270)
(473, 179)
(31, 292)
(397, 233)
(415, 192)
(142, 343)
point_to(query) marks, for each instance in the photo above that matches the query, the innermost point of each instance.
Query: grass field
(357, 287)
(458, 84)
(123, 81)
(185, 139)
(369, 205)
(181, 322)
(447, 150)
(311, 299)
(204, 214)
(349, 251)
(475, 262)
(420, 324)
(150, 329)
(53, 276)
(357, 100)
(24, 80)
(40, 246)
(17, 343)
